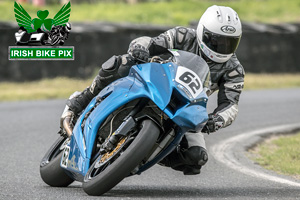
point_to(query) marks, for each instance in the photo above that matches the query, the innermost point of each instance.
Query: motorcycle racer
(216, 40)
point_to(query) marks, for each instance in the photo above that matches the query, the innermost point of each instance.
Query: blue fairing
(152, 80)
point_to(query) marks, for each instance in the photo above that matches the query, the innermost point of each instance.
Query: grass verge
(172, 12)
(271, 81)
(280, 154)
(64, 87)
(56, 88)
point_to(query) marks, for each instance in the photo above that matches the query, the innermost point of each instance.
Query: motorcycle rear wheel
(128, 159)
(50, 169)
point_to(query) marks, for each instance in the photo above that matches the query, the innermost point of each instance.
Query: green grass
(173, 12)
(57, 88)
(63, 87)
(271, 81)
(280, 154)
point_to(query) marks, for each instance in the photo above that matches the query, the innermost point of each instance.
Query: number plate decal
(190, 80)
(65, 157)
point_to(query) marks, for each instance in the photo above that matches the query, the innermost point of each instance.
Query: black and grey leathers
(226, 77)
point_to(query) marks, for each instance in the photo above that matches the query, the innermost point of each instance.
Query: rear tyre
(104, 175)
(50, 169)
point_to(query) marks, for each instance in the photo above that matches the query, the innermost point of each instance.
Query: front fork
(124, 129)
(122, 132)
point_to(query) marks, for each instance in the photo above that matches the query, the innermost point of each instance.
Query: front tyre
(104, 173)
(50, 169)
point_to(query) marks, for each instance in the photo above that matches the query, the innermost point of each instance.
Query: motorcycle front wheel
(50, 169)
(111, 168)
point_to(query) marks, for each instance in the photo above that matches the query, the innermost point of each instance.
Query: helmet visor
(220, 43)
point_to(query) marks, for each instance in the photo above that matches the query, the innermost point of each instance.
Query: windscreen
(194, 63)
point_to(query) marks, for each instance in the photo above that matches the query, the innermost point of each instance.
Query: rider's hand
(139, 52)
(213, 124)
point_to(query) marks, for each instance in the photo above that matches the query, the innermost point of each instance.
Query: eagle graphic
(42, 22)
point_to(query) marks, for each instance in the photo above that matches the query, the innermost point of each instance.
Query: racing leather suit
(226, 77)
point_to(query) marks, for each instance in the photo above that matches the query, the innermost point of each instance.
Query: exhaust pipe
(67, 126)
(66, 117)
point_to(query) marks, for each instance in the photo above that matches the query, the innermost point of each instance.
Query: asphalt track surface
(29, 128)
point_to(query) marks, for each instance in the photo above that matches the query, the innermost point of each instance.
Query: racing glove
(139, 52)
(214, 123)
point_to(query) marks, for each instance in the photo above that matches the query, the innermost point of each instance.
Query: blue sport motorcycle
(131, 125)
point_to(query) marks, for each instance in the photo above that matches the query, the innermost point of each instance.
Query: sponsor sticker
(228, 29)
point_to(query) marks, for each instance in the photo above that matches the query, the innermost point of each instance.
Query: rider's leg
(190, 156)
(196, 154)
(113, 69)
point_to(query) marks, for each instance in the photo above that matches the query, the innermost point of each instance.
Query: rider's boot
(190, 156)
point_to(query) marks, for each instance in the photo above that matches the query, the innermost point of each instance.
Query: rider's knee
(196, 155)
(109, 70)
(115, 67)
(110, 66)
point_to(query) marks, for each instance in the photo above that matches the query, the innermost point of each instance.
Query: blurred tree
(110, 1)
(131, 1)
(38, 2)
(43, 2)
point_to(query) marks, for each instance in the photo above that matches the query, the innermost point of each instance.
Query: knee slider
(109, 70)
(111, 64)
(196, 156)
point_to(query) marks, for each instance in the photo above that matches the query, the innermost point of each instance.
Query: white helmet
(219, 32)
